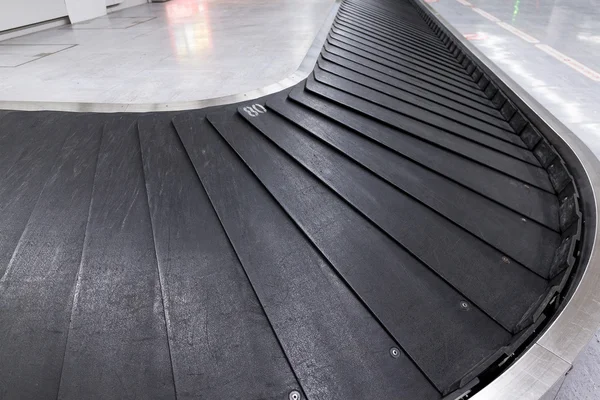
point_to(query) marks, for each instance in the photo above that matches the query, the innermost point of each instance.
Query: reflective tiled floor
(569, 89)
(552, 50)
(181, 50)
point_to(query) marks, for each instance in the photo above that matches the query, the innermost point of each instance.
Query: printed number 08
(254, 110)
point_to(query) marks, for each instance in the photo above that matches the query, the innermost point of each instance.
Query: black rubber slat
(391, 18)
(497, 285)
(409, 34)
(407, 37)
(532, 174)
(404, 35)
(451, 77)
(369, 33)
(27, 154)
(388, 9)
(481, 122)
(531, 202)
(417, 42)
(36, 292)
(395, 26)
(19, 132)
(416, 88)
(507, 143)
(348, 105)
(408, 62)
(335, 346)
(406, 30)
(117, 342)
(217, 326)
(371, 104)
(394, 285)
(428, 85)
(529, 243)
(333, 44)
(419, 58)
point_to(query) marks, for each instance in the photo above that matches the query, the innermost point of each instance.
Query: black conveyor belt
(390, 228)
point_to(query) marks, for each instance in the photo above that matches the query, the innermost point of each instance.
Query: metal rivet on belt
(464, 305)
(523, 219)
(395, 352)
(505, 259)
(295, 395)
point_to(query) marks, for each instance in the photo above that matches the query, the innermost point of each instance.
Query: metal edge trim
(517, 385)
(573, 327)
(305, 68)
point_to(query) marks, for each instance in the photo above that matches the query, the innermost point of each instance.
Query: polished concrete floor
(552, 50)
(182, 50)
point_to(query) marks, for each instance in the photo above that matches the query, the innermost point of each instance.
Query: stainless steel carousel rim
(550, 356)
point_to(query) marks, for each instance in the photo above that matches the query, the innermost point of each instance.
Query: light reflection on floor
(182, 50)
(189, 39)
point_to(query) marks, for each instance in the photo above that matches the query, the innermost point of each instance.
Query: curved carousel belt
(393, 227)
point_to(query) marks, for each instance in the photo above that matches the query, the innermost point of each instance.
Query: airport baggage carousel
(395, 226)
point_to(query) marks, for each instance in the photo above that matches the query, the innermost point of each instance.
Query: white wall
(124, 4)
(17, 13)
(82, 10)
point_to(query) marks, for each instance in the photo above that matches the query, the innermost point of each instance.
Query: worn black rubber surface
(390, 228)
